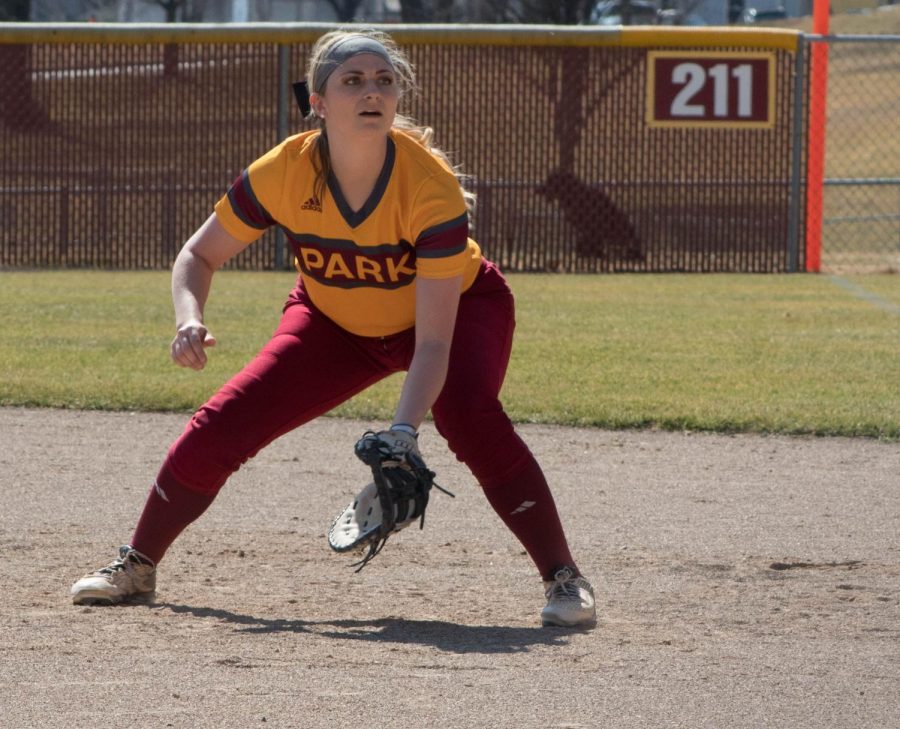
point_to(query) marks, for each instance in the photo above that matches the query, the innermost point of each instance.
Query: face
(360, 97)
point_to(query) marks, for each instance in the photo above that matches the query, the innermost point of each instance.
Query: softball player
(388, 281)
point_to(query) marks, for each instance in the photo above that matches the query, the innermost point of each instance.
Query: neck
(355, 161)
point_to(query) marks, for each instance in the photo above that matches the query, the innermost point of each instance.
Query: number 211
(693, 77)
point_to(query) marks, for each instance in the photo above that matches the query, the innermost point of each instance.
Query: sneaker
(130, 574)
(570, 600)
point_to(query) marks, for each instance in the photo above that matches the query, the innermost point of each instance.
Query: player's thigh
(468, 413)
(482, 342)
(308, 367)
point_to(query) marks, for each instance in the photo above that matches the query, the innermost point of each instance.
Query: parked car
(643, 12)
(754, 15)
(610, 12)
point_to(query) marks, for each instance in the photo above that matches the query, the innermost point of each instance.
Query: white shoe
(570, 601)
(130, 574)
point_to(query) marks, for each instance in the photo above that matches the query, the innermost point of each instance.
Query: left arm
(436, 303)
(397, 496)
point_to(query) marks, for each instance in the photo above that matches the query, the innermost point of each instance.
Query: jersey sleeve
(252, 202)
(441, 226)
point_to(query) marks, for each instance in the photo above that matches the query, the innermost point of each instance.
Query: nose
(371, 88)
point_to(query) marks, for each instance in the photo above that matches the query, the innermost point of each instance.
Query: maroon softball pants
(311, 365)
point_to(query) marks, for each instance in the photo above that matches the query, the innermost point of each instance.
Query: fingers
(189, 344)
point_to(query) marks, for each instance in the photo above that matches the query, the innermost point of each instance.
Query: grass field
(786, 354)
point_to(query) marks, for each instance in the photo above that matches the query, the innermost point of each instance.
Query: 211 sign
(711, 89)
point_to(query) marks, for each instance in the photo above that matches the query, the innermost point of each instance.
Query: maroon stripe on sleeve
(445, 240)
(246, 206)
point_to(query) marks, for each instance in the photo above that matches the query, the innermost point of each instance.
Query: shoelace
(116, 565)
(563, 590)
(119, 564)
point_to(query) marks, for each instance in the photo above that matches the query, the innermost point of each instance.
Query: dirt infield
(743, 581)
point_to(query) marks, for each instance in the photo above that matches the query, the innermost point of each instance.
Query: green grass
(785, 354)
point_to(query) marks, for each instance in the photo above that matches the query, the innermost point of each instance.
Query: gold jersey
(359, 267)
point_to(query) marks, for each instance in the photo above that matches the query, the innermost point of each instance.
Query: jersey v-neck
(356, 218)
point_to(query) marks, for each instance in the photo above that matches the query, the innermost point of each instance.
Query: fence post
(63, 258)
(796, 159)
(281, 131)
(818, 89)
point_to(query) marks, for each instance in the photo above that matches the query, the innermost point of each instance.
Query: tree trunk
(413, 11)
(571, 91)
(18, 108)
(345, 9)
(170, 50)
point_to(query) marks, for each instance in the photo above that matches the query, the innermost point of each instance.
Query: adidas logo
(524, 506)
(312, 204)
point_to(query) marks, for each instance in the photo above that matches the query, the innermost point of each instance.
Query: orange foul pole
(815, 172)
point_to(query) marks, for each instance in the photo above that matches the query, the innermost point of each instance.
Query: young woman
(389, 281)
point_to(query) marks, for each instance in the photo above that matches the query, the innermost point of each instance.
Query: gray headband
(344, 49)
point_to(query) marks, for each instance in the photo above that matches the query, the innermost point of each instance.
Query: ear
(317, 104)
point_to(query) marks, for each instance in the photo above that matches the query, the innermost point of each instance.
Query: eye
(351, 80)
(386, 80)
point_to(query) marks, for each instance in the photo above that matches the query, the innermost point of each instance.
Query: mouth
(370, 113)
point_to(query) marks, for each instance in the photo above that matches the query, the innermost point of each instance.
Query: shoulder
(419, 160)
(292, 149)
(300, 144)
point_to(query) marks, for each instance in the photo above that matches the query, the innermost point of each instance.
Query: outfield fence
(591, 149)
(861, 205)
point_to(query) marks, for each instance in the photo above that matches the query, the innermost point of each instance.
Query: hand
(189, 345)
(400, 443)
(396, 497)
(388, 445)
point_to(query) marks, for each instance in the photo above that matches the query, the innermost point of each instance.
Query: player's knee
(484, 439)
(207, 453)
(458, 422)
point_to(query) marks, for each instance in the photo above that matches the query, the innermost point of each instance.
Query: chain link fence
(861, 206)
(115, 151)
(113, 148)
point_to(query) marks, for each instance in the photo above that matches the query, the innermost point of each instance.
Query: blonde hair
(319, 63)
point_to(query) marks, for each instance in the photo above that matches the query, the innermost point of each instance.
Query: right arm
(204, 253)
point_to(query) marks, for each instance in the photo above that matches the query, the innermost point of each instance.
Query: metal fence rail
(116, 142)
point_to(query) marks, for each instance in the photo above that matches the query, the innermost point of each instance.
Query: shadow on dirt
(450, 637)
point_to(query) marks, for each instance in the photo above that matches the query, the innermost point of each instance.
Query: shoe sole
(589, 623)
(93, 601)
(106, 600)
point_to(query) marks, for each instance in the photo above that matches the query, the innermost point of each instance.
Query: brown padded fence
(114, 151)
